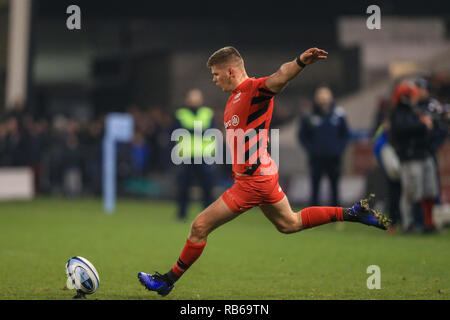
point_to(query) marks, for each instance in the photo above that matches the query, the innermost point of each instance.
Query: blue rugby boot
(155, 282)
(363, 213)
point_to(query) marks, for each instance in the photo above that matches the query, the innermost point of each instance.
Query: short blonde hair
(224, 55)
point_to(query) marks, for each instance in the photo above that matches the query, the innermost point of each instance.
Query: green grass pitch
(244, 259)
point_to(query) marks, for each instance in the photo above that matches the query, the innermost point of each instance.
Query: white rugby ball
(82, 275)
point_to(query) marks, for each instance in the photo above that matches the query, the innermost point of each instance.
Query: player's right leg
(209, 219)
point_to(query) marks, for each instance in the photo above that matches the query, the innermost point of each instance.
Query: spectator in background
(91, 143)
(324, 134)
(15, 142)
(53, 158)
(72, 166)
(435, 110)
(38, 133)
(159, 139)
(71, 160)
(389, 163)
(133, 157)
(436, 137)
(384, 109)
(185, 118)
(140, 154)
(410, 132)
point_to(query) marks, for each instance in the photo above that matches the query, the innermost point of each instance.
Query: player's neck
(240, 80)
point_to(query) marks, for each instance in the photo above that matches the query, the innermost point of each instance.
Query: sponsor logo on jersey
(235, 120)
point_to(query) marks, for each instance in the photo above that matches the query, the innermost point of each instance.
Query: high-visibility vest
(197, 144)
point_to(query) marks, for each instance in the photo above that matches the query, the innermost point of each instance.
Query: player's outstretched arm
(278, 81)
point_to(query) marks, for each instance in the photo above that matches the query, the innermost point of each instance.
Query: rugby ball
(82, 275)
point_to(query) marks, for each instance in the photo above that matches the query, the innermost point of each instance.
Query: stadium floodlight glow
(119, 127)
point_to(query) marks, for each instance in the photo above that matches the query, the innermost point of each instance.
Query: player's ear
(230, 71)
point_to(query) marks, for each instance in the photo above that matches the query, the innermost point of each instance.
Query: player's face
(222, 78)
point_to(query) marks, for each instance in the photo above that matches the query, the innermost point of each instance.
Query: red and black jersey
(247, 117)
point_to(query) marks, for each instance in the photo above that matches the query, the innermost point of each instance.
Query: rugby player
(250, 106)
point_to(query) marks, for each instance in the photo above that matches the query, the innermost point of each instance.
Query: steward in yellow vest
(187, 117)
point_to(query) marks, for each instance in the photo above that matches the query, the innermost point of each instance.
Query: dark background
(139, 49)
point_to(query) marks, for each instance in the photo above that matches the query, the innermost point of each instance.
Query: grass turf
(244, 259)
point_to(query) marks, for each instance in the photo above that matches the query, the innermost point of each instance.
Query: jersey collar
(243, 86)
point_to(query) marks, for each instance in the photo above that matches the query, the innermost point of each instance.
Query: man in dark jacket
(324, 134)
(433, 108)
(411, 131)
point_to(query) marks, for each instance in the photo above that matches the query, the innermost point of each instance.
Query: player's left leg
(288, 221)
(209, 219)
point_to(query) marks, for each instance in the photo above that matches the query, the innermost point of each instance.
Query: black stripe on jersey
(255, 115)
(260, 127)
(259, 99)
(255, 148)
(265, 91)
(253, 168)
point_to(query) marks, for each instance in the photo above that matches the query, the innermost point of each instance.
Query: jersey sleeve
(261, 88)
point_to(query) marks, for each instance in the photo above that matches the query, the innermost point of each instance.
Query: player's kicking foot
(155, 282)
(362, 212)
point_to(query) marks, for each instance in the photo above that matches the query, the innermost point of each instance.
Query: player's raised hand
(278, 81)
(312, 55)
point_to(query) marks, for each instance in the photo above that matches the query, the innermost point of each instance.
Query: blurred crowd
(65, 154)
(410, 128)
